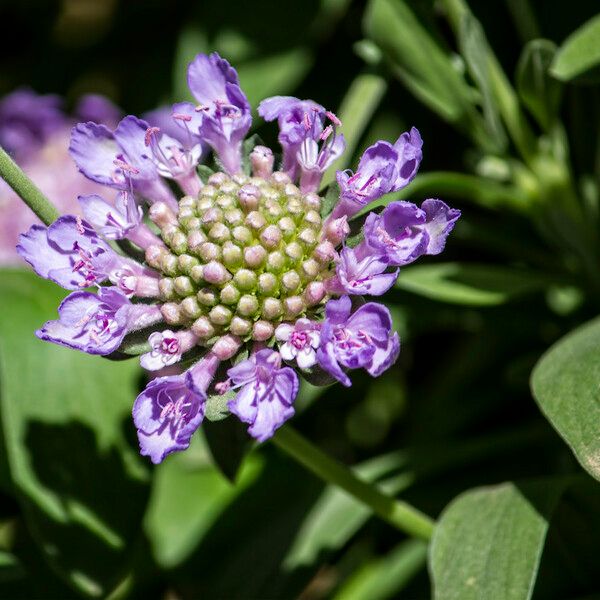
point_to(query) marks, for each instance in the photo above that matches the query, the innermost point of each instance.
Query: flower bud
(247, 305)
(154, 255)
(229, 294)
(272, 308)
(239, 326)
(220, 315)
(195, 239)
(232, 255)
(168, 264)
(242, 234)
(254, 256)
(275, 262)
(262, 331)
(290, 281)
(324, 252)
(249, 197)
(233, 217)
(207, 296)
(291, 190)
(209, 251)
(204, 202)
(255, 220)
(211, 216)
(162, 215)
(185, 212)
(191, 223)
(267, 284)
(292, 307)
(280, 178)
(229, 187)
(294, 251)
(271, 237)
(166, 288)
(314, 293)
(203, 328)
(178, 242)
(171, 313)
(310, 269)
(219, 233)
(337, 231)
(190, 308)
(183, 285)
(308, 237)
(217, 179)
(312, 218)
(226, 346)
(225, 201)
(262, 159)
(312, 201)
(245, 279)
(185, 262)
(287, 227)
(187, 202)
(215, 272)
(240, 178)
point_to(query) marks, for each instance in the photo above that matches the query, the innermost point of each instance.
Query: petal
(440, 222)
(287, 351)
(207, 76)
(338, 311)
(94, 149)
(243, 406)
(131, 137)
(97, 108)
(373, 319)
(385, 356)
(104, 217)
(328, 361)
(283, 332)
(409, 147)
(306, 358)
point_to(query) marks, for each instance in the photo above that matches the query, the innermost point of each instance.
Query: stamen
(150, 133)
(326, 132)
(121, 164)
(182, 117)
(333, 118)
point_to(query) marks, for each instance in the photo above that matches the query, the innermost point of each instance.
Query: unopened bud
(254, 256)
(245, 279)
(218, 179)
(215, 272)
(207, 297)
(292, 307)
(186, 262)
(171, 313)
(209, 251)
(272, 308)
(162, 215)
(267, 284)
(242, 234)
(219, 233)
(255, 220)
(287, 226)
(290, 281)
(232, 255)
(280, 178)
(312, 201)
(337, 231)
(154, 256)
(240, 178)
(229, 294)
(225, 201)
(239, 326)
(325, 252)
(205, 202)
(261, 159)
(168, 264)
(186, 212)
(183, 285)
(187, 202)
(310, 268)
(233, 217)
(178, 242)
(271, 237)
(166, 288)
(314, 293)
(190, 308)
(262, 331)
(294, 251)
(291, 190)
(229, 187)
(211, 216)
(226, 346)
(203, 328)
(312, 218)
(195, 240)
(247, 305)
(308, 237)
(275, 261)
(249, 197)
(220, 315)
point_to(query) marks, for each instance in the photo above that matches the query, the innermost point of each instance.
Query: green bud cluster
(241, 257)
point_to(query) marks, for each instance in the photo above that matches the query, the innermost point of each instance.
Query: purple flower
(360, 340)
(266, 395)
(167, 348)
(225, 111)
(309, 146)
(27, 120)
(364, 276)
(92, 323)
(112, 222)
(403, 232)
(97, 108)
(382, 169)
(170, 409)
(122, 159)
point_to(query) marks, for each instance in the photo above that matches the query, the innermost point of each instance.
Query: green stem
(397, 513)
(26, 189)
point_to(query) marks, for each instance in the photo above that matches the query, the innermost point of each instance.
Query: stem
(26, 189)
(397, 513)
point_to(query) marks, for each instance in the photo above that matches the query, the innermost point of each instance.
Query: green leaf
(488, 541)
(188, 496)
(579, 54)
(64, 414)
(539, 92)
(470, 284)
(565, 386)
(228, 443)
(357, 108)
(330, 199)
(216, 408)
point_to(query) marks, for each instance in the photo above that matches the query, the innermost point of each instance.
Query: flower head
(243, 260)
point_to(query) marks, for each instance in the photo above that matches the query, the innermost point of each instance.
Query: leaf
(188, 496)
(539, 92)
(357, 108)
(564, 383)
(216, 408)
(228, 443)
(330, 199)
(579, 54)
(247, 147)
(470, 284)
(81, 486)
(488, 541)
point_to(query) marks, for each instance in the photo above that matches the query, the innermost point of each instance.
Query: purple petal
(94, 150)
(166, 414)
(111, 221)
(440, 222)
(326, 356)
(338, 311)
(130, 134)
(207, 78)
(373, 319)
(385, 356)
(97, 108)
(409, 147)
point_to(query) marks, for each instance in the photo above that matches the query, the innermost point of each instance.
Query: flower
(362, 339)
(266, 395)
(243, 262)
(300, 340)
(403, 232)
(382, 169)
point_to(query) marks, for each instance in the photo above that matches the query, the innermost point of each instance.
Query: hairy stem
(401, 515)
(26, 189)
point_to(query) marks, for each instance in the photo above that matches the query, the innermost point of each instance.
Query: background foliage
(506, 97)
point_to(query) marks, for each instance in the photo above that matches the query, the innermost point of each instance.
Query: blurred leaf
(384, 577)
(488, 541)
(357, 108)
(565, 386)
(274, 75)
(579, 53)
(330, 199)
(228, 443)
(423, 66)
(191, 41)
(80, 485)
(188, 496)
(216, 408)
(470, 284)
(538, 91)
(476, 52)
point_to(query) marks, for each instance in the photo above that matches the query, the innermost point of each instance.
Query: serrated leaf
(81, 486)
(579, 54)
(565, 385)
(470, 284)
(488, 541)
(539, 92)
